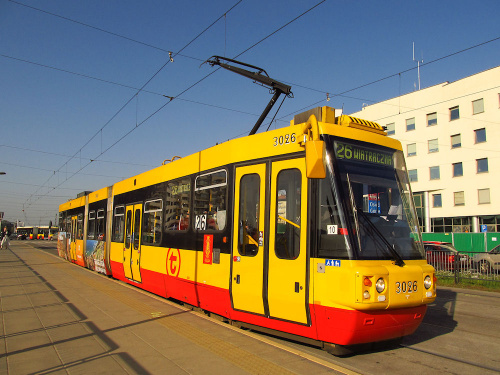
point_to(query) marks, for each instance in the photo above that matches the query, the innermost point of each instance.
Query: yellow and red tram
(307, 230)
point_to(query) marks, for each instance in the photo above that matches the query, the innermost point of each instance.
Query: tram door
(132, 245)
(271, 281)
(248, 245)
(287, 276)
(72, 245)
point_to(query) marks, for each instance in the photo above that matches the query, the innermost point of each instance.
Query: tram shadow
(439, 319)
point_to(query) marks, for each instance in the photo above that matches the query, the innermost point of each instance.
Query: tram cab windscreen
(376, 191)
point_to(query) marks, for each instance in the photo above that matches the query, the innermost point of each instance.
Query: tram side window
(288, 202)
(100, 229)
(79, 227)
(248, 227)
(152, 222)
(119, 224)
(68, 223)
(62, 222)
(210, 199)
(178, 205)
(91, 226)
(331, 232)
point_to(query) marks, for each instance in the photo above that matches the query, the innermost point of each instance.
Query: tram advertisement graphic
(94, 255)
(173, 262)
(62, 245)
(208, 247)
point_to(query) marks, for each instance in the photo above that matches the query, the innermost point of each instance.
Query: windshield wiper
(398, 259)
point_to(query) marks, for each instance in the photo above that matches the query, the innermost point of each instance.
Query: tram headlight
(427, 282)
(380, 285)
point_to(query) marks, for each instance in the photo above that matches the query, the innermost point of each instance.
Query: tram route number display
(363, 154)
(201, 222)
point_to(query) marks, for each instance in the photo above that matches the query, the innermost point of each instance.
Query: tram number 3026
(284, 139)
(406, 287)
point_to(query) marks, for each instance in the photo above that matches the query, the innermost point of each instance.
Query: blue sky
(63, 78)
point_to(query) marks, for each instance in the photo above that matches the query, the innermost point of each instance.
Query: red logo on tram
(173, 262)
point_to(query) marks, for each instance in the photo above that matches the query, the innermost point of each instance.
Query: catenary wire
(190, 87)
(143, 86)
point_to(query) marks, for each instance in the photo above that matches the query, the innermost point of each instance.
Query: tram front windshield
(376, 192)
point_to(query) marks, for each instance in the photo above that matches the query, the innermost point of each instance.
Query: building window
(410, 124)
(492, 222)
(483, 196)
(437, 200)
(480, 135)
(461, 224)
(459, 198)
(454, 113)
(482, 165)
(433, 145)
(477, 106)
(434, 173)
(412, 175)
(458, 169)
(432, 119)
(391, 128)
(448, 224)
(412, 149)
(456, 141)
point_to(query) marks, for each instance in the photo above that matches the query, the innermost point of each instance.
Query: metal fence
(465, 265)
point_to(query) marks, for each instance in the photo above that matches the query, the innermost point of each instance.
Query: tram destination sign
(351, 152)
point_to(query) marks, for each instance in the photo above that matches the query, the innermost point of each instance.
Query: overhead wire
(67, 156)
(394, 75)
(104, 30)
(187, 89)
(128, 101)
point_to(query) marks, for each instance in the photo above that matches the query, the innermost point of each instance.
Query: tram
(47, 232)
(308, 231)
(27, 232)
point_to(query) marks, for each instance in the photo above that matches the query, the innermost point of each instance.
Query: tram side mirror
(315, 162)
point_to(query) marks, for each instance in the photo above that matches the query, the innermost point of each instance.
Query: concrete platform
(59, 318)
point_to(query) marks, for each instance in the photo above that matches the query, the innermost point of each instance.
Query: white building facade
(450, 134)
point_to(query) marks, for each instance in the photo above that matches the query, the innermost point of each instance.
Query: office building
(450, 134)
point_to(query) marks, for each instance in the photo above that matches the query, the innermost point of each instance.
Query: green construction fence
(467, 242)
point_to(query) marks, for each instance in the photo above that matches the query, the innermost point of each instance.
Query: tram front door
(132, 244)
(269, 275)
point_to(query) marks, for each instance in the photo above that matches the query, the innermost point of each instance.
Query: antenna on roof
(418, 65)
